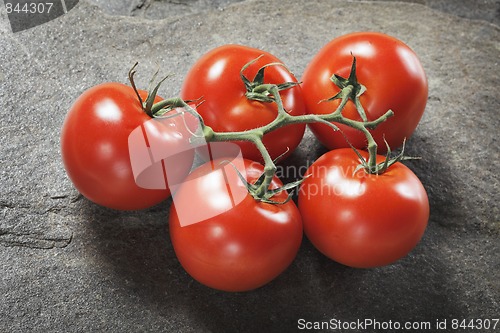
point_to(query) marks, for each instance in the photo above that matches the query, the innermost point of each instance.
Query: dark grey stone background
(70, 266)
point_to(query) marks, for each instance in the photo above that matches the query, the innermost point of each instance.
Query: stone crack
(33, 240)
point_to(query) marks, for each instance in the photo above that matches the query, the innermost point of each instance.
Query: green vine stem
(284, 119)
(350, 90)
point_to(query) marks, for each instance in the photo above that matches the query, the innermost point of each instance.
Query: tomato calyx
(260, 191)
(382, 167)
(256, 89)
(350, 88)
(164, 107)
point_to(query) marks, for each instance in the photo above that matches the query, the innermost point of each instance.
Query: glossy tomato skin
(241, 249)
(362, 220)
(95, 152)
(215, 78)
(393, 76)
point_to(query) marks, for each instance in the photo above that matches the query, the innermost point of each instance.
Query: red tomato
(394, 79)
(215, 77)
(244, 247)
(95, 147)
(359, 219)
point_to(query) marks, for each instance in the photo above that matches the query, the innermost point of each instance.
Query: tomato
(234, 245)
(360, 219)
(95, 147)
(394, 79)
(215, 78)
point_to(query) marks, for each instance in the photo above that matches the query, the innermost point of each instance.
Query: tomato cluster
(224, 234)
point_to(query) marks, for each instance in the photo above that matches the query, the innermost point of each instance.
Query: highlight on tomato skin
(394, 79)
(358, 219)
(245, 246)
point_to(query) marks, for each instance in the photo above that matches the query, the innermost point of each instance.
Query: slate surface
(70, 266)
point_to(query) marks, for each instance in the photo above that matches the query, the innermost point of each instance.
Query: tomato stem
(284, 118)
(350, 89)
(131, 74)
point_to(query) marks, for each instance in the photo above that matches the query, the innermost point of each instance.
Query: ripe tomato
(95, 147)
(360, 219)
(244, 247)
(215, 77)
(394, 79)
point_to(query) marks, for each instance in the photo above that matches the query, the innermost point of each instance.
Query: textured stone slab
(152, 9)
(68, 265)
(488, 10)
